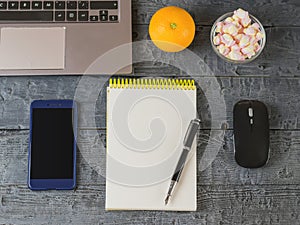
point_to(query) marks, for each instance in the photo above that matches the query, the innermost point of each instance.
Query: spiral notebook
(146, 123)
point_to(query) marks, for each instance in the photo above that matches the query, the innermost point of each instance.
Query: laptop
(65, 37)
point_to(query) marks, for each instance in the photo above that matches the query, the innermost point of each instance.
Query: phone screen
(52, 146)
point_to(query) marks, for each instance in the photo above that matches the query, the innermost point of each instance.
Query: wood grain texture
(281, 95)
(217, 204)
(205, 12)
(283, 167)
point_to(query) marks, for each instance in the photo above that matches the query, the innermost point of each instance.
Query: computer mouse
(251, 133)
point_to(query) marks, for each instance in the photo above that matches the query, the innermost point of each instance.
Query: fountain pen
(187, 144)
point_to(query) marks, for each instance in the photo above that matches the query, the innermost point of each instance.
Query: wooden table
(227, 193)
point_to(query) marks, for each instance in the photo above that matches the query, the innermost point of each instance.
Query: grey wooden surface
(227, 193)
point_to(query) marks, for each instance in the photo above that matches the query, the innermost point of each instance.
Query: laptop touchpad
(32, 48)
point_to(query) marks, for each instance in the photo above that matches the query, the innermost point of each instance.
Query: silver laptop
(65, 37)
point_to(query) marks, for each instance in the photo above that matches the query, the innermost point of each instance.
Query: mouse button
(241, 112)
(243, 102)
(250, 111)
(241, 118)
(241, 105)
(260, 107)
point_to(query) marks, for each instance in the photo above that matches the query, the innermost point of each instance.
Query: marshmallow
(228, 40)
(236, 18)
(253, 40)
(238, 38)
(235, 47)
(219, 27)
(256, 26)
(217, 40)
(242, 16)
(230, 29)
(259, 36)
(224, 50)
(257, 47)
(240, 13)
(235, 55)
(250, 31)
(246, 22)
(244, 41)
(249, 55)
(239, 26)
(229, 20)
(248, 50)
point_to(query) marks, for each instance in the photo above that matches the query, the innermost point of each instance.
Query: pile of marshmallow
(237, 38)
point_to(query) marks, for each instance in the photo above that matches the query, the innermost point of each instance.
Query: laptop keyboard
(59, 11)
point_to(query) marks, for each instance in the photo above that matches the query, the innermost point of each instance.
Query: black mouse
(251, 133)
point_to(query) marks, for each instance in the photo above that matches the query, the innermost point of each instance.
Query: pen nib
(167, 199)
(172, 185)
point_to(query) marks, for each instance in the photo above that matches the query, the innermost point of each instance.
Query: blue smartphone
(52, 145)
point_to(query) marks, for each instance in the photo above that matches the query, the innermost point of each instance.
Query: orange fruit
(172, 29)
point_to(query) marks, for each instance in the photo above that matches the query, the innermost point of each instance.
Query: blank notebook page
(146, 124)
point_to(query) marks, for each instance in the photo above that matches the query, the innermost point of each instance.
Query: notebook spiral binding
(152, 83)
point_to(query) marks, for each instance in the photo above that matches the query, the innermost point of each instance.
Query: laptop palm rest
(32, 48)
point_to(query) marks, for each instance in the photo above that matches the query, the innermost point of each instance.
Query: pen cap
(191, 133)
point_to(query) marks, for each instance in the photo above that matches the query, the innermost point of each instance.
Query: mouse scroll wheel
(250, 112)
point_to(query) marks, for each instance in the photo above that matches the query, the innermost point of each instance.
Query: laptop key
(26, 16)
(71, 5)
(113, 18)
(60, 16)
(37, 5)
(103, 18)
(83, 15)
(25, 5)
(71, 15)
(48, 5)
(13, 5)
(3, 5)
(103, 13)
(94, 18)
(83, 5)
(60, 5)
(104, 4)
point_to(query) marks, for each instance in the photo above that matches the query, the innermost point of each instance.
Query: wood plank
(14, 159)
(279, 58)
(231, 204)
(16, 94)
(214, 167)
(279, 94)
(205, 12)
